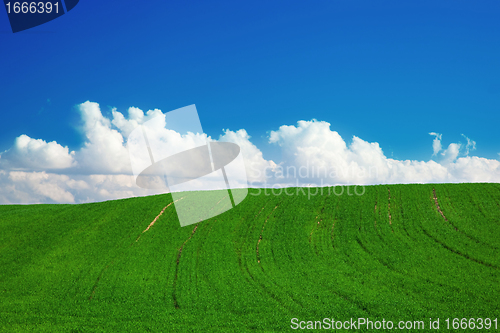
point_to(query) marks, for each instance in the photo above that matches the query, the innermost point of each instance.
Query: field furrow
(399, 252)
(179, 254)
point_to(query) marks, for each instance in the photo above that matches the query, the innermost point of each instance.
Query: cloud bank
(36, 171)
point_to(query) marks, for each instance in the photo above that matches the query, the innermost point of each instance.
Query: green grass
(79, 268)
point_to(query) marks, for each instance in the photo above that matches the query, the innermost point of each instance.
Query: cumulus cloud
(102, 168)
(104, 150)
(475, 169)
(42, 187)
(314, 153)
(34, 170)
(311, 151)
(36, 154)
(254, 161)
(451, 153)
(34, 187)
(436, 143)
(135, 118)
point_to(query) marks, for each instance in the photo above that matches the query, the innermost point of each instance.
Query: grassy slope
(79, 267)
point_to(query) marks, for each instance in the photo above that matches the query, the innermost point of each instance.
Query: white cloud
(324, 157)
(33, 154)
(135, 117)
(104, 150)
(34, 187)
(252, 156)
(43, 187)
(471, 145)
(451, 153)
(436, 143)
(35, 171)
(402, 172)
(475, 169)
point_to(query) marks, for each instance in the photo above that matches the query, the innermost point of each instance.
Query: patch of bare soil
(439, 208)
(156, 218)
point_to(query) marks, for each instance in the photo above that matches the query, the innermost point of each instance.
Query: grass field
(397, 252)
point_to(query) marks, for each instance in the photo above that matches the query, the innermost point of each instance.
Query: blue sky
(386, 71)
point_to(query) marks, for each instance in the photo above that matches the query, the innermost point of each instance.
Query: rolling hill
(397, 252)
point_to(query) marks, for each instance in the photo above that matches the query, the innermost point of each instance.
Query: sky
(410, 87)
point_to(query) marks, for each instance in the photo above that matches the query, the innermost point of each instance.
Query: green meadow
(394, 253)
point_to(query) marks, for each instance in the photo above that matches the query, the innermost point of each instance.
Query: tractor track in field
(199, 273)
(261, 232)
(275, 296)
(94, 287)
(174, 296)
(377, 210)
(156, 218)
(331, 231)
(323, 204)
(389, 206)
(372, 255)
(356, 303)
(317, 224)
(458, 252)
(218, 203)
(239, 250)
(436, 201)
(440, 211)
(377, 215)
(261, 210)
(389, 209)
(336, 293)
(395, 271)
(314, 228)
(333, 224)
(403, 219)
